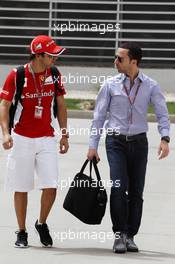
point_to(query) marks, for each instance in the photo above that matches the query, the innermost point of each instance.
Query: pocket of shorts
(11, 163)
(50, 143)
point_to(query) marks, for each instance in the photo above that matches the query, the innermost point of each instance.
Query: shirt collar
(139, 76)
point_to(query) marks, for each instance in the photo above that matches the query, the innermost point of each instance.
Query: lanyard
(132, 101)
(39, 94)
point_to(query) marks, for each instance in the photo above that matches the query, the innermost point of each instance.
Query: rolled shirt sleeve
(161, 111)
(99, 116)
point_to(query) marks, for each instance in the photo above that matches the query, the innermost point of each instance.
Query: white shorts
(31, 157)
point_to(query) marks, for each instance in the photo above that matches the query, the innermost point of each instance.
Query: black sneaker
(131, 245)
(120, 243)
(43, 232)
(21, 241)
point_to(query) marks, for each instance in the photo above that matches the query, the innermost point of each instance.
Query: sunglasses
(120, 59)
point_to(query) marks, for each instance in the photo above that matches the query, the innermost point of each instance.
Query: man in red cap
(32, 143)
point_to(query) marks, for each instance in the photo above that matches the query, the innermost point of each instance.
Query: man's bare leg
(47, 199)
(20, 202)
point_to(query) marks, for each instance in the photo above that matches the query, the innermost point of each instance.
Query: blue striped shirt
(112, 98)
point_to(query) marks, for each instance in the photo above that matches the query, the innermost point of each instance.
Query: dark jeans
(127, 161)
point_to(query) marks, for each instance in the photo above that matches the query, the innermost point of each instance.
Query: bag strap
(94, 162)
(20, 78)
(55, 76)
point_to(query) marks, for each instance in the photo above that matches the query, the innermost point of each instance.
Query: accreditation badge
(38, 112)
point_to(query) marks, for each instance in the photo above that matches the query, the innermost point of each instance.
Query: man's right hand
(7, 141)
(93, 153)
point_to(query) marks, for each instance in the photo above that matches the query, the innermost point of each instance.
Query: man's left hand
(163, 150)
(64, 145)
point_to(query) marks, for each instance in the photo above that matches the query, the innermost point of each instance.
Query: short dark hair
(33, 56)
(135, 51)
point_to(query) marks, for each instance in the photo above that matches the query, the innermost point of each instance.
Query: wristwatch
(66, 135)
(166, 138)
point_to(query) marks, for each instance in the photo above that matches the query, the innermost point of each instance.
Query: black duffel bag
(87, 198)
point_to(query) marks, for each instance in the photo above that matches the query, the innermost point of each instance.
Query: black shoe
(130, 244)
(44, 235)
(120, 243)
(21, 241)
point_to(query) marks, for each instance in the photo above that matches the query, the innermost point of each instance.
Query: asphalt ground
(75, 242)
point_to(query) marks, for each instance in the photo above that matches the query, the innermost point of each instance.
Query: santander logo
(36, 95)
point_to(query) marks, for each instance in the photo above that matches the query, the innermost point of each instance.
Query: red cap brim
(56, 51)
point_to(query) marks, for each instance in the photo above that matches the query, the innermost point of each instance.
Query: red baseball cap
(45, 44)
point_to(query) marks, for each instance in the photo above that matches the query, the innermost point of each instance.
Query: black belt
(129, 138)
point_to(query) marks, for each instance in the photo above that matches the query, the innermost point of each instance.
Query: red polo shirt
(26, 124)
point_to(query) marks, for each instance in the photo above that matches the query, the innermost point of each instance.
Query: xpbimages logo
(76, 26)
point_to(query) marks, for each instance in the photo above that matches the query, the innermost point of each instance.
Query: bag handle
(84, 166)
(94, 162)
